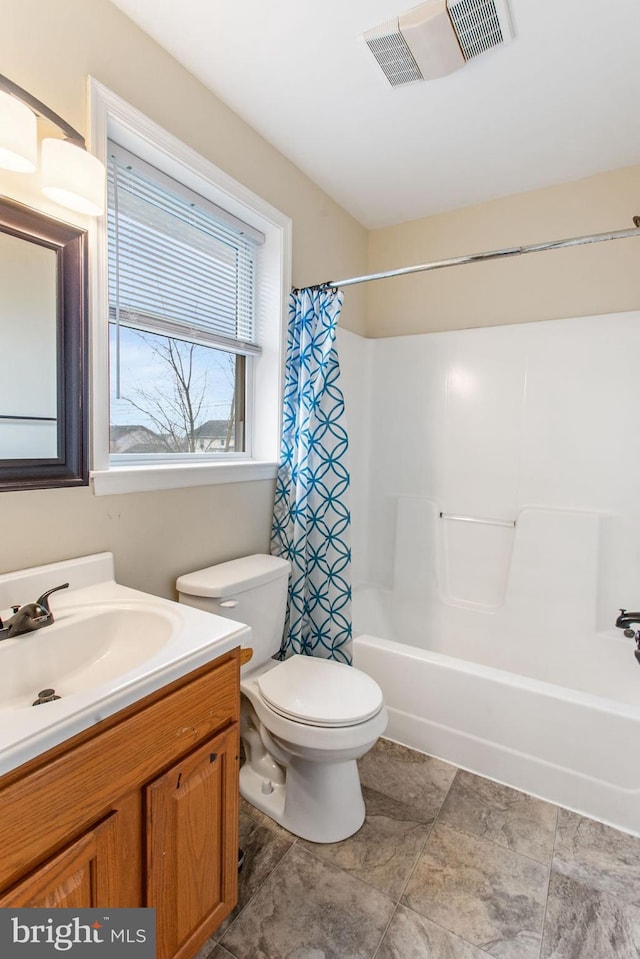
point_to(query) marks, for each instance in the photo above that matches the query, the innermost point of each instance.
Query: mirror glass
(28, 385)
(43, 429)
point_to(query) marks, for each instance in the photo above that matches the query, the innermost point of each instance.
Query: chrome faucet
(29, 617)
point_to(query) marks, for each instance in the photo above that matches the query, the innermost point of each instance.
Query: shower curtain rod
(492, 255)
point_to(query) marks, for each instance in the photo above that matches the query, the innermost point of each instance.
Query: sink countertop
(194, 639)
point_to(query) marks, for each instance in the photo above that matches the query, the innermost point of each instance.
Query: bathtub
(565, 728)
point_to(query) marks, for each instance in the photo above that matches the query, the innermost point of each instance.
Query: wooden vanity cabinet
(187, 876)
(85, 874)
(140, 810)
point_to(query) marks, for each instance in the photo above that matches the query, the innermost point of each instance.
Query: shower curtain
(311, 519)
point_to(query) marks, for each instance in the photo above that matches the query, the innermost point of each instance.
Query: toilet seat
(320, 692)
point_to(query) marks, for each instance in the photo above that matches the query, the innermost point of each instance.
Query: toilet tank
(251, 590)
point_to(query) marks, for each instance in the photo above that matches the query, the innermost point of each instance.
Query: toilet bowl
(304, 721)
(314, 789)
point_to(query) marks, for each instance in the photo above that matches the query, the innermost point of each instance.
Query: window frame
(114, 118)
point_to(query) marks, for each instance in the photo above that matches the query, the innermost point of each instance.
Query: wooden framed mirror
(43, 351)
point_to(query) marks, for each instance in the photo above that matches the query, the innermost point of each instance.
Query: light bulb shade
(72, 177)
(18, 135)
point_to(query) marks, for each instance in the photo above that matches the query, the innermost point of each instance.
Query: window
(188, 314)
(182, 318)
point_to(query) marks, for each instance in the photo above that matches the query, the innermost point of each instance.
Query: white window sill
(139, 479)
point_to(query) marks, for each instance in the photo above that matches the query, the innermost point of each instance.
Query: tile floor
(446, 866)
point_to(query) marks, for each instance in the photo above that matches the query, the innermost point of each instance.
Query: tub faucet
(29, 617)
(627, 619)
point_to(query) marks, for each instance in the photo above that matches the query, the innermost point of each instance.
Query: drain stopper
(45, 696)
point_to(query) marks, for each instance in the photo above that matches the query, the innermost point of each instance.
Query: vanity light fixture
(70, 175)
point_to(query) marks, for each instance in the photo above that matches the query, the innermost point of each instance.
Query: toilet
(304, 721)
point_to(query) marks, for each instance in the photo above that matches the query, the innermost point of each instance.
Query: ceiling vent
(438, 37)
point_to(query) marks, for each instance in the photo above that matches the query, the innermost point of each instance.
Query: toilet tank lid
(226, 579)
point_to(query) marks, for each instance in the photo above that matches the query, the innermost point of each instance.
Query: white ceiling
(558, 103)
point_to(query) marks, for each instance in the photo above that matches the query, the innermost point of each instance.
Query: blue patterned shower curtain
(311, 519)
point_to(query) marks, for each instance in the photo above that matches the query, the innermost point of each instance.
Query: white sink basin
(82, 649)
(108, 647)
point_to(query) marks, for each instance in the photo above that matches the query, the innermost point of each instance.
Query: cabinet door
(83, 874)
(192, 845)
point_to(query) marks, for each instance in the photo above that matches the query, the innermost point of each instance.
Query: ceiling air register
(438, 37)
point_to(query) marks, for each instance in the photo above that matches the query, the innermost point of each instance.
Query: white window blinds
(178, 265)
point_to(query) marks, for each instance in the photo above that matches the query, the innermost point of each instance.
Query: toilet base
(321, 802)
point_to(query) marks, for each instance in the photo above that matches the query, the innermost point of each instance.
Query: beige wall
(154, 536)
(600, 278)
(50, 48)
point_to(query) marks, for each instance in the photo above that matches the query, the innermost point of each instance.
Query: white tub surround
(487, 654)
(523, 690)
(499, 521)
